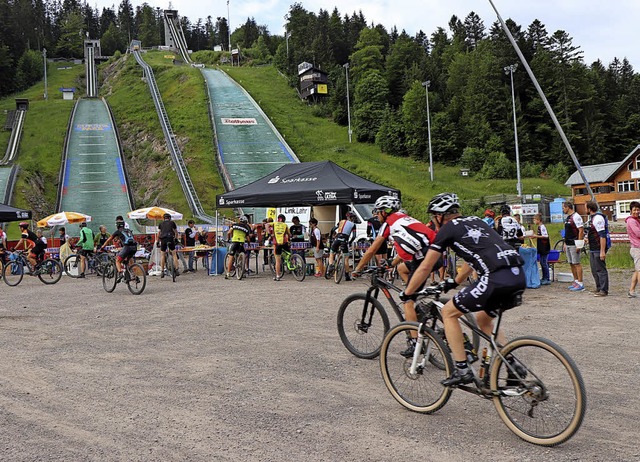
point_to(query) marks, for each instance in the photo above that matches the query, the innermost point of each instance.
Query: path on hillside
(249, 146)
(94, 180)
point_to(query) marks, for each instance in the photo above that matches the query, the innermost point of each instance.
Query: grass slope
(315, 138)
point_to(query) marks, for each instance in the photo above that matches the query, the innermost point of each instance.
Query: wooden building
(614, 185)
(313, 82)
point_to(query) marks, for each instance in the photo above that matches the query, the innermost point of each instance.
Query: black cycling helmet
(505, 210)
(119, 224)
(83, 224)
(167, 216)
(243, 219)
(444, 203)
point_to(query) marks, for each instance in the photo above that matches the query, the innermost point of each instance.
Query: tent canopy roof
(8, 213)
(306, 183)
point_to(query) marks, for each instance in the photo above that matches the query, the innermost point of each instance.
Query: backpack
(128, 237)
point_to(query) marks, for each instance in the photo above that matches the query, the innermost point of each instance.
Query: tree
(403, 55)
(148, 29)
(111, 41)
(391, 137)
(30, 69)
(71, 41)
(474, 30)
(370, 101)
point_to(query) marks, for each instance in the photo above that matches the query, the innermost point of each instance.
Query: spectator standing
(598, 232)
(101, 237)
(633, 230)
(297, 234)
(544, 247)
(573, 231)
(3, 244)
(315, 237)
(190, 241)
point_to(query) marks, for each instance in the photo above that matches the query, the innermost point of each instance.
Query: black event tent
(8, 213)
(306, 183)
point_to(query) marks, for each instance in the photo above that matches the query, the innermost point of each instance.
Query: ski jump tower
(173, 35)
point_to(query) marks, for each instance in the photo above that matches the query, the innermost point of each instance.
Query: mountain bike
(133, 275)
(94, 263)
(170, 264)
(536, 387)
(238, 264)
(363, 320)
(292, 263)
(49, 271)
(338, 271)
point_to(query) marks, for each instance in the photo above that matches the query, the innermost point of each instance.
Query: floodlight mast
(544, 100)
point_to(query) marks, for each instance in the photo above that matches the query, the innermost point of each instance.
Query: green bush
(497, 166)
(473, 159)
(531, 170)
(558, 172)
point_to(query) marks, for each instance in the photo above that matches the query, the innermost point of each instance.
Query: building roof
(600, 173)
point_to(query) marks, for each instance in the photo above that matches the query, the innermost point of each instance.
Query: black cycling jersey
(478, 244)
(510, 230)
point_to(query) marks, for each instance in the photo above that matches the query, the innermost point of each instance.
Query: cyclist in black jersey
(499, 268)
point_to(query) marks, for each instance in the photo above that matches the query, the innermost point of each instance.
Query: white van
(330, 215)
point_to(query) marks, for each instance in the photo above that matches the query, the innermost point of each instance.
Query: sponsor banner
(92, 127)
(276, 179)
(326, 195)
(524, 209)
(322, 89)
(619, 237)
(221, 201)
(169, 56)
(362, 196)
(239, 121)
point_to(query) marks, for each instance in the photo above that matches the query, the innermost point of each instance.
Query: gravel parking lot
(213, 369)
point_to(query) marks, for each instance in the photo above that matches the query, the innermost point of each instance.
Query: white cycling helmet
(444, 203)
(386, 203)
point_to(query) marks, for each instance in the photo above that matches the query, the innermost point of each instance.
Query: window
(624, 207)
(604, 189)
(625, 186)
(637, 166)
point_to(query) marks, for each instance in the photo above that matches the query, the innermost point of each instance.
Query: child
(544, 246)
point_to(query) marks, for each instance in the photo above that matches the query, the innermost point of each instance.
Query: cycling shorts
(167, 242)
(281, 247)
(127, 252)
(85, 253)
(492, 292)
(236, 248)
(340, 242)
(412, 266)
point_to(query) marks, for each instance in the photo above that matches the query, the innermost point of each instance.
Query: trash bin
(216, 265)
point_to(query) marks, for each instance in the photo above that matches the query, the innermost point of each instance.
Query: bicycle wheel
(272, 264)
(240, 265)
(137, 280)
(109, 279)
(171, 267)
(13, 272)
(72, 266)
(420, 391)
(339, 269)
(362, 324)
(546, 404)
(559, 245)
(50, 271)
(101, 260)
(298, 267)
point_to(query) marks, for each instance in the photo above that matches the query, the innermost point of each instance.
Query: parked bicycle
(363, 320)
(49, 271)
(339, 269)
(170, 265)
(134, 276)
(94, 264)
(536, 387)
(291, 263)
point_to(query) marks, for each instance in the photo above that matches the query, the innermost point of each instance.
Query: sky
(601, 29)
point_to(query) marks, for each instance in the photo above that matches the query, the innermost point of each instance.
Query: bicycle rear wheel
(420, 391)
(298, 267)
(240, 265)
(109, 277)
(13, 272)
(72, 266)
(339, 270)
(545, 402)
(137, 279)
(50, 271)
(362, 324)
(171, 267)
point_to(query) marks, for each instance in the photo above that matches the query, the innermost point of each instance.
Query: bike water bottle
(484, 362)
(471, 352)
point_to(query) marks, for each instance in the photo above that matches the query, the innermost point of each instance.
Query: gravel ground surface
(212, 369)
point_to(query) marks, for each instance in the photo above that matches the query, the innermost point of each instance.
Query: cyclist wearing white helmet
(411, 239)
(499, 267)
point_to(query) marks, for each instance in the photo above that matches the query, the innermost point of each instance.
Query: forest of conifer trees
(470, 102)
